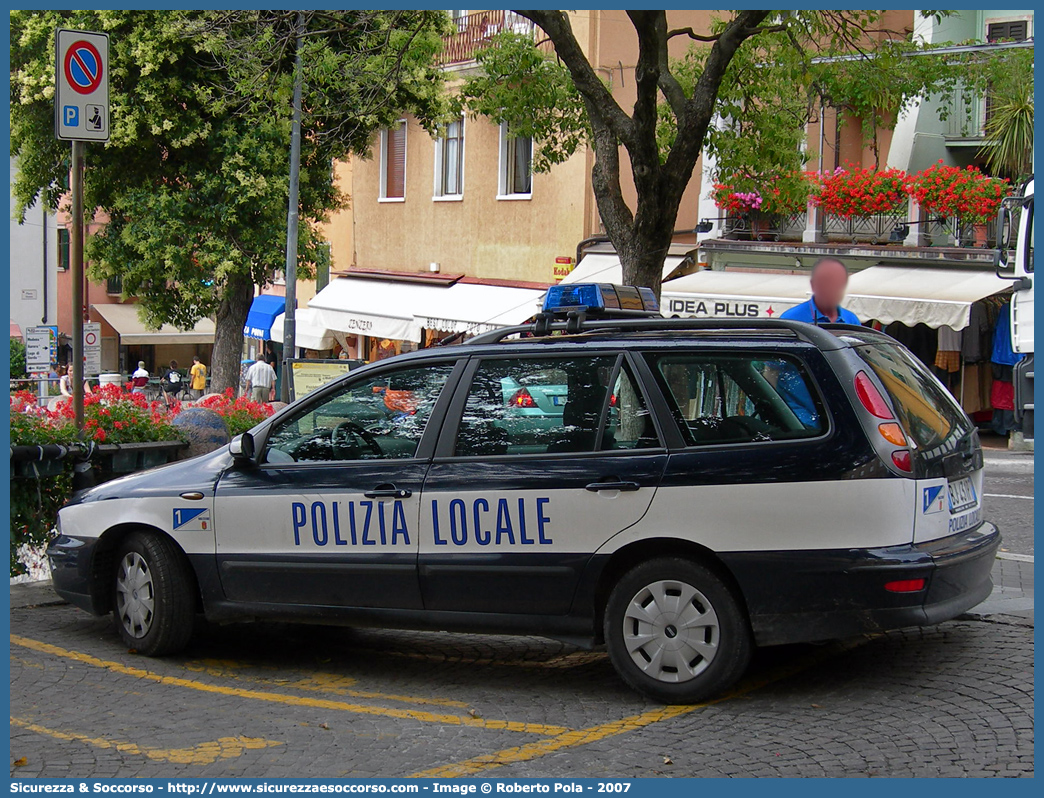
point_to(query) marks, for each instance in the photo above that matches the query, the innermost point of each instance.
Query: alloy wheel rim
(671, 631)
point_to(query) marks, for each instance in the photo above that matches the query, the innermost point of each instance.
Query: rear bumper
(795, 597)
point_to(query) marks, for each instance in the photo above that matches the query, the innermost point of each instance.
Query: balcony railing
(756, 226)
(475, 30)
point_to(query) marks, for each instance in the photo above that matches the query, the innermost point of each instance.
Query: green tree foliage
(17, 359)
(193, 183)
(764, 74)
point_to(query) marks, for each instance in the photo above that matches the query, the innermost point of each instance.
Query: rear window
(927, 411)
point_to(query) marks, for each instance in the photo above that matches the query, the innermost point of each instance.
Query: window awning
(599, 267)
(733, 294)
(400, 310)
(132, 331)
(309, 333)
(475, 308)
(263, 311)
(935, 297)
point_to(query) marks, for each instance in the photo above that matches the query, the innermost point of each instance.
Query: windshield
(928, 412)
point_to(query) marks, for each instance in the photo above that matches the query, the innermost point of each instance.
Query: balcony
(967, 118)
(475, 30)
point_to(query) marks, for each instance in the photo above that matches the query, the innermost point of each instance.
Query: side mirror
(1004, 230)
(241, 448)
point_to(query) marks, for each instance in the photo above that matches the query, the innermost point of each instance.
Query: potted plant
(966, 195)
(861, 192)
(740, 199)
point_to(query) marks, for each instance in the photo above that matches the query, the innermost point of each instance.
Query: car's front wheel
(154, 606)
(675, 631)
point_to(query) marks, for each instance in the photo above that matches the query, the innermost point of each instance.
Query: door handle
(615, 485)
(388, 492)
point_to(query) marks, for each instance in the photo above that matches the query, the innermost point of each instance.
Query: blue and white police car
(707, 487)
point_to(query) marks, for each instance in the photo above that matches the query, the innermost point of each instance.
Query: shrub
(17, 359)
(788, 194)
(240, 414)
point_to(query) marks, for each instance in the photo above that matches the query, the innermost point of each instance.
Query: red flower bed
(949, 191)
(857, 191)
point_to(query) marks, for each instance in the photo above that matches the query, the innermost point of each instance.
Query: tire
(153, 595)
(655, 653)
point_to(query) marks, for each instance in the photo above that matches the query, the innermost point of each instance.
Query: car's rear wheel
(153, 598)
(675, 631)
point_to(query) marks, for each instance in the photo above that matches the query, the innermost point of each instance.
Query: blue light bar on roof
(601, 299)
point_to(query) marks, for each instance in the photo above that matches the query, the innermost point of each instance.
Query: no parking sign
(81, 97)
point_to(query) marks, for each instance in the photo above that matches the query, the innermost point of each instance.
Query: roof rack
(818, 336)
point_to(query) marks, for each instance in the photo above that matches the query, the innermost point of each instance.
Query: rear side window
(927, 411)
(740, 397)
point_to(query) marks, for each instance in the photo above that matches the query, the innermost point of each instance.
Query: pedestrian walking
(260, 379)
(198, 374)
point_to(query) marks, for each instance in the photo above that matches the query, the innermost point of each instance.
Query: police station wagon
(701, 488)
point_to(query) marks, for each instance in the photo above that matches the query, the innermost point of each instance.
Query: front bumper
(795, 597)
(72, 574)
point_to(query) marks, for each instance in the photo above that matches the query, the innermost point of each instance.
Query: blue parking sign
(71, 114)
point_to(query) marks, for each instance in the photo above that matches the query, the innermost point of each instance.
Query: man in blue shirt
(829, 280)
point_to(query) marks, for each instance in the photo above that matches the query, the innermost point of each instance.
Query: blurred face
(828, 285)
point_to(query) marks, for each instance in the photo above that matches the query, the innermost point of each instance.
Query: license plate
(962, 495)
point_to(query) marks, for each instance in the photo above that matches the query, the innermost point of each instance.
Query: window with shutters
(63, 249)
(516, 166)
(1015, 30)
(393, 163)
(449, 162)
(114, 285)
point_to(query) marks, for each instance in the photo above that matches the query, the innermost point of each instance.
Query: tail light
(870, 397)
(523, 398)
(875, 404)
(612, 401)
(905, 586)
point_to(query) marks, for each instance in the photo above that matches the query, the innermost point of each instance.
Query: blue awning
(262, 313)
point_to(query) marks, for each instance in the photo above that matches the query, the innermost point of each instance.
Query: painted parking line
(573, 739)
(1008, 496)
(329, 683)
(291, 700)
(201, 754)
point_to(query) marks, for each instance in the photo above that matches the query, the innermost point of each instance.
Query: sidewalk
(1012, 595)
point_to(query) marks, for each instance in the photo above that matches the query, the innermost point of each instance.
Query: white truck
(1016, 234)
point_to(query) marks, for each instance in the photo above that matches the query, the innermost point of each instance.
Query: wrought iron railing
(758, 226)
(878, 229)
(475, 30)
(952, 232)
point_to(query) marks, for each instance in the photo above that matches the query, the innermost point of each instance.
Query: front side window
(449, 161)
(393, 162)
(516, 164)
(377, 418)
(539, 406)
(739, 397)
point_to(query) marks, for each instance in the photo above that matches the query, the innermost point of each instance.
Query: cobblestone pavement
(276, 701)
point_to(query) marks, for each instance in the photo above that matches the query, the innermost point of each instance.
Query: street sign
(37, 350)
(91, 349)
(81, 74)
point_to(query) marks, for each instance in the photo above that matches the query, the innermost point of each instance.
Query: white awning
(124, 319)
(475, 308)
(935, 297)
(366, 306)
(400, 310)
(733, 294)
(597, 267)
(309, 333)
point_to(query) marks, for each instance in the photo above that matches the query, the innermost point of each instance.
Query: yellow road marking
(292, 700)
(331, 683)
(572, 739)
(202, 754)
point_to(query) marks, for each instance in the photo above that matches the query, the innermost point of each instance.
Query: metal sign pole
(289, 317)
(76, 267)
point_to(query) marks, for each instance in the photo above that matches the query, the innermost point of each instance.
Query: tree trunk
(228, 336)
